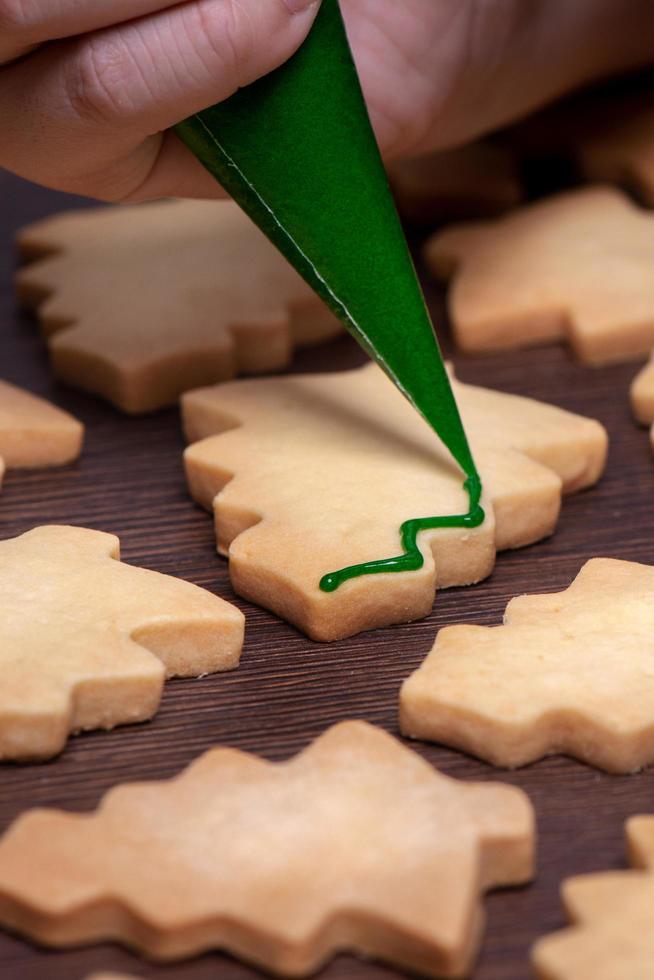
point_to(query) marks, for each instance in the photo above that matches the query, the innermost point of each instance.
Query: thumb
(100, 98)
(184, 59)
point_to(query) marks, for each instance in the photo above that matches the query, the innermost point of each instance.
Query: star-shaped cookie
(142, 303)
(355, 844)
(313, 473)
(569, 672)
(575, 267)
(612, 936)
(34, 433)
(86, 641)
(642, 397)
(473, 181)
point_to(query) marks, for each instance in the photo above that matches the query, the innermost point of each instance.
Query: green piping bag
(297, 152)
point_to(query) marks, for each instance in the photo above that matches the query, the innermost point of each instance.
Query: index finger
(25, 24)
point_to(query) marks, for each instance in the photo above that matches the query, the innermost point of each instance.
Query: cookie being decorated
(311, 477)
(139, 304)
(569, 672)
(576, 267)
(86, 642)
(356, 844)
(612, 915)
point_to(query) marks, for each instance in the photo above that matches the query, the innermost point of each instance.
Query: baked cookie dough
(35, 433)
(312, 473)
(86, 641)
(356, 844)
(576, 267)
(569, 672)
(612, 915)
(139, 304)
(642, 397)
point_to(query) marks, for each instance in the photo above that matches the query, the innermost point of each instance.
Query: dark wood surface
(288, 689)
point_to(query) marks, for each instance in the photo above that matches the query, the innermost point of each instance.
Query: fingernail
(298, 6)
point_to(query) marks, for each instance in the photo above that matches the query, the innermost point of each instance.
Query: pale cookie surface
(478, 180)
(142, 303)
(34, 433)
(642, 397)
(86, 641)
(318, 472)
(612, 935)
(355, 844)
(569, 672)
(575, 267)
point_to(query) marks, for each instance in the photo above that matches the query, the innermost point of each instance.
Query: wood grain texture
(288, 689)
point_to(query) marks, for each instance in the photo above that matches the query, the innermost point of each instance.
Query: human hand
(437, 73)
(88, 88)
(88, 111)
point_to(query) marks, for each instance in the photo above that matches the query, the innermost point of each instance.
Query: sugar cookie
(355, 844)
(569, 672)
(142, 303)
(86, 641)
(319, 472)
(34, 433)
(575, 267)
(642, 397)
(612, 936)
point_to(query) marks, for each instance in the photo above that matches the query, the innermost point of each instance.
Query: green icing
(412, 558)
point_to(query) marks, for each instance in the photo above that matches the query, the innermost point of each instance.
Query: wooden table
(288, 689)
